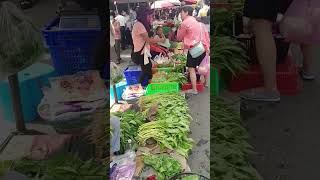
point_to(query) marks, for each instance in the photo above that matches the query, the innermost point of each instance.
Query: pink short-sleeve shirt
(138, 41)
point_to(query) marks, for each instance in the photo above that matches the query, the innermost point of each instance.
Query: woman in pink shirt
(117, 36)
(191, 32)
(141, 42)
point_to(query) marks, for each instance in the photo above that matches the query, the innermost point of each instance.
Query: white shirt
(121, 19)
(126, 18)
(203, 11)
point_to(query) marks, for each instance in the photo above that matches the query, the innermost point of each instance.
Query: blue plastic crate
(30, 81)
(132, 74)
(72, 50)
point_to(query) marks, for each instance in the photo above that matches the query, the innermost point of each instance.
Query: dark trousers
(128, 37)
(117, 49)
(146, 72)
(123, 37)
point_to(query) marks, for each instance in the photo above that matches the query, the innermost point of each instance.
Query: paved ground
(286, 135)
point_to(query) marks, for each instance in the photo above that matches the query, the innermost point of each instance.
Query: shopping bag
(204, 67)
(300, 23)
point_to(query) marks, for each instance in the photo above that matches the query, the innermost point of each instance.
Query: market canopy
(161, 4)
(174, 2)
(129, 1)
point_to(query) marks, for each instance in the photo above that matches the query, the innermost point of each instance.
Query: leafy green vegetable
(177, 77)
(60, 167)
(165, 165)
(170, 77)
(130, 122)
(229, 54)
(230, 148)
(171, 125)
(192, 177)
(180, 58)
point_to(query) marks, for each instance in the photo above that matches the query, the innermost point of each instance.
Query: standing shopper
(259, 18)
(193, 33)
(141, 42)
(117, 37)
(122, 20)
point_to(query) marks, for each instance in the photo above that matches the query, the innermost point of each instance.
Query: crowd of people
(143, 29)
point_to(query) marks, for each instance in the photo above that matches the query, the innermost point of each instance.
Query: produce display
(165, 165)
(230, 148)
(171, 125)
(229, 54)
(60, 167)
(163, 77)
(130, 122)
(180, 58)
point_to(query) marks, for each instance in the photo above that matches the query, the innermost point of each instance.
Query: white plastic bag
(20, 41)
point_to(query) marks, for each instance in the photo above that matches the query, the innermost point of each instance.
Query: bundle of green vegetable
(229, 143)
(170, 127)
(20, 41)
(171, 77)
(165, 165)
(229, 54)
(61, 167)
(130, 122)
(180, 58)
(177, 77)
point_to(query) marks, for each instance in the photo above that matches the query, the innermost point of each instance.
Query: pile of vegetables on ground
(165, 119)
(171, 123)
(164, 165)
(229, 143)
(163, 77)
(130, 122)
(60, 167)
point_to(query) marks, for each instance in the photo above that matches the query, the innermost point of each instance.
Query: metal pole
(16, 102)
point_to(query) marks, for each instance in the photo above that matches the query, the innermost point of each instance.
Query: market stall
(154, 119)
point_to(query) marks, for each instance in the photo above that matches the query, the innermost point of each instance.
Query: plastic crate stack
(72, 49)
(288, 79)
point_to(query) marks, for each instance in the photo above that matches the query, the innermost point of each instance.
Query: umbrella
(190, 1)
(174, 2)
(161, 4)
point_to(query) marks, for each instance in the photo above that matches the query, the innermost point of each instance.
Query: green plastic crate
(155, 88)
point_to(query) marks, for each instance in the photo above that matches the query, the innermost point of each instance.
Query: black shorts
(194, 62)
(265, 9)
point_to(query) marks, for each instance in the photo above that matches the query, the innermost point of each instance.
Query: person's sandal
(192, 92)
(260, 95)
(306, 75)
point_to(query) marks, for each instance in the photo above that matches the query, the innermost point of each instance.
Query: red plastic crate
(288, 79)
(187, 86)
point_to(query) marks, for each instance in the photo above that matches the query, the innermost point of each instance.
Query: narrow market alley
(285, 135)
(199, 105)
